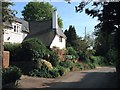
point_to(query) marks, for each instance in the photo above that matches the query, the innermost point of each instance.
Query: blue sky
(68, 15)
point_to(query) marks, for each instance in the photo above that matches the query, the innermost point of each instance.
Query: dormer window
(60, 39)
(17, 28)
(14, 28)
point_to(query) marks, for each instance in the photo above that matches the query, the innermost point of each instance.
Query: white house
(16, 32)
(48, 32)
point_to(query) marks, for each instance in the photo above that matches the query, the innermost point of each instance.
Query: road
(101, 77)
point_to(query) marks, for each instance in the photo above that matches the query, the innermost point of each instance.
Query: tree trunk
(117, 40)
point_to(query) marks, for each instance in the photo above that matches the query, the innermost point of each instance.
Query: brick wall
(5, 62)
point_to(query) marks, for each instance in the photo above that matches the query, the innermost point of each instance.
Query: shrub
(67, 64)
(11, 74)
(40, 73)
(43, 64)
(53, 59)
(13, 49)
(54, 73)
(70, 57)
(89, 65)
(97, 60)
(45, 73)
(71, 53)
(79, 66)
(32, 49)
(62, 70)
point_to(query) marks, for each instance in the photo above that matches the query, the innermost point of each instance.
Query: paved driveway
(101, 77)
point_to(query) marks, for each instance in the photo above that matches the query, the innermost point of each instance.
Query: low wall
(6, 57)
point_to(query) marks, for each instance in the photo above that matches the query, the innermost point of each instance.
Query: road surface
(101, 77)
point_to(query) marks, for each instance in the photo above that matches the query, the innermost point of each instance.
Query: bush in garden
(11, 74)
(79, 66)
(53, 59)
(62, 70)
(71, 51)
(32, 49)
(91, 66)
(13, 49)
(40, 73)
(67, 64)
(43, 64)
(97, 60)
(45, 73)
(70, 57)
(54, 73)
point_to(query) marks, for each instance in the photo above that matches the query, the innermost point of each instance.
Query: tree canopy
(39, 11)
(7, 13)
(108, 30)
(71, 35)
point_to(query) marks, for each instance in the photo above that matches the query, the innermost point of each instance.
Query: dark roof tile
(43, 31)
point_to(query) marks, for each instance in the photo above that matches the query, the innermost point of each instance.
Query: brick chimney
(54, 20)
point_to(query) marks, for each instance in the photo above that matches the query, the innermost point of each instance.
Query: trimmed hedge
(30, 49)
(33, 48)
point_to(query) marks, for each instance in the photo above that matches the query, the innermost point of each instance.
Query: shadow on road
(90, 80)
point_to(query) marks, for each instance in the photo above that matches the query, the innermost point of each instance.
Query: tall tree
(7, 13)
(71, 36)
(109, 18)
(39, 11)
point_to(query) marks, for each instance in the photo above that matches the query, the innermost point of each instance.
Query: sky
(68, 15)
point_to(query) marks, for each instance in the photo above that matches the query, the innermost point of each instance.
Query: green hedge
(13, 49)
(33, 48)
(30, 49)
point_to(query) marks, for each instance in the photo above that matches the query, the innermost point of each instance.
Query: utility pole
(1, 45)
(85, 33)
(1, 36)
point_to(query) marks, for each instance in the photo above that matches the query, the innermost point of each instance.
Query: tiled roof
(43, 31)
(25, 24)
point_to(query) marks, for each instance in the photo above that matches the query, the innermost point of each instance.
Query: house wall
(15, 34)
(57, 43)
